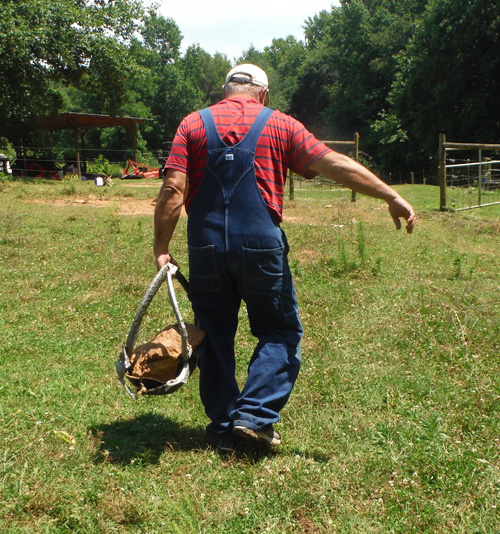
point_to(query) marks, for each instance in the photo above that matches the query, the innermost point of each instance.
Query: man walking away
(228, 164)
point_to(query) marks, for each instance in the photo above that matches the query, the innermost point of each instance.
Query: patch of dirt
(141, 185)
(125, 206)
(294, 213)
(137, 207)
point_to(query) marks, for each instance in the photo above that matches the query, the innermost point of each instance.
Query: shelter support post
(25, 162)
(77, 153)
(131, 129)
(83, 159)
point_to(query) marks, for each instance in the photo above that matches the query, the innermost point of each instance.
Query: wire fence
(54, 162)
(468, 178)
(465, 190)
(428, 177)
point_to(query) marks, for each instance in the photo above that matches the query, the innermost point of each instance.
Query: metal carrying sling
(188, 356)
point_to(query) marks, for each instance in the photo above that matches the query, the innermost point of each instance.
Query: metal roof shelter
(81, 122)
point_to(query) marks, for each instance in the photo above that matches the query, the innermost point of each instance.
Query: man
(229, 164)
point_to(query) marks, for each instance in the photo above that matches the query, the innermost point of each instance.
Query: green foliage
(161, 35)
(448, 78)
(357, 44)
(283, 60)
(399, 73)
(101, 166)
(6, 148)
(73, 43)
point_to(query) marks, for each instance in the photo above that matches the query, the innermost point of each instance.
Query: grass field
(393, 426)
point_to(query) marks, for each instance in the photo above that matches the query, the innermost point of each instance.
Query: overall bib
(237, 251)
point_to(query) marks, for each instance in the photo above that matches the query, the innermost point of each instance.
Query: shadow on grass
(144, 439)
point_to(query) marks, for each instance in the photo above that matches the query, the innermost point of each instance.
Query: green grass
(393, 426)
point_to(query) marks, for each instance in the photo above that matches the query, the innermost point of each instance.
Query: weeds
(10, 224)
(345, 264)
(361, 243)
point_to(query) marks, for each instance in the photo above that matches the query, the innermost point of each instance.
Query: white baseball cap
(248, 73)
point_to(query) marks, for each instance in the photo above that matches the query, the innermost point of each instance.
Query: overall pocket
(263, 270)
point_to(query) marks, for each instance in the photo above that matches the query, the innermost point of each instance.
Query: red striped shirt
(284, 144)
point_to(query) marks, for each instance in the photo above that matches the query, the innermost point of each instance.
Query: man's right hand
(163, 259)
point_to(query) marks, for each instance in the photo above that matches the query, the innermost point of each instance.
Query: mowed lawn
(393, 426)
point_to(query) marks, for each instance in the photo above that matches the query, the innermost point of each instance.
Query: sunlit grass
(393, 426)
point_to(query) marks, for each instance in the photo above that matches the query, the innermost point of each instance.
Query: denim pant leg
(276, 361)
(217, 314)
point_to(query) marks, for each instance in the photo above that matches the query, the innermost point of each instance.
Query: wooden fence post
(480, 178)
(355, 152)
(442, 172)
(291, 184)
(355, 155)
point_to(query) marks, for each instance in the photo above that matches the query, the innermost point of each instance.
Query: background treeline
(399, 72)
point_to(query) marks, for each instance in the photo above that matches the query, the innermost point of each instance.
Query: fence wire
(472, 184)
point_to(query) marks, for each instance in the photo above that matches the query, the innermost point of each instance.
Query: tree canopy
(399, 72)
(48, 45)
(402, 71)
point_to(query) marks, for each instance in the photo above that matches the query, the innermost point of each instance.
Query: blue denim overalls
(238, 252)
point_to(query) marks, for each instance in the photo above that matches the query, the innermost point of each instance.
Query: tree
(283, 60)
(216, 68)
(163, 36)
(252, 55)
(156, 50)
(449, 76)
(351, 67)
(46, 44)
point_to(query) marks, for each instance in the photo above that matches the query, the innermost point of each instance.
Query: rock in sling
(160, 358)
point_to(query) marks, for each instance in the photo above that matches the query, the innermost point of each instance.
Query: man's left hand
(399, 208)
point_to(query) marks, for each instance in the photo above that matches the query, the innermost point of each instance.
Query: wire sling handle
(123, 364)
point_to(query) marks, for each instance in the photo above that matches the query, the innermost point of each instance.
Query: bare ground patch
(303, 212)
(124, 206)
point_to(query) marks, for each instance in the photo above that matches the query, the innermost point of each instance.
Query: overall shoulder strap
(250, 140)
(252, 137)
(213, 138)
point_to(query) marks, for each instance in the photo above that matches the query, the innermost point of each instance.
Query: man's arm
(168, 208)
(352, 174)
